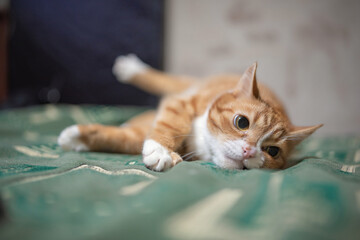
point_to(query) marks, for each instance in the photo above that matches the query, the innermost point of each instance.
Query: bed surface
(47, 193)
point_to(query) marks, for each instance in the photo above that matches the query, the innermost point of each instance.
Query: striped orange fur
(200, 120)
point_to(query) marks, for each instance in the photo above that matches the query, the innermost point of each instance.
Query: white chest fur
(201, 137)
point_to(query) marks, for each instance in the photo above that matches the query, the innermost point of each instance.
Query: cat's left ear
(297, 134)
(248, 85)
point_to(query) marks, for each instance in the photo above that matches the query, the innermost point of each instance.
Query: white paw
(256, 162)
(156, 157)
(125, 67)
(69, 139)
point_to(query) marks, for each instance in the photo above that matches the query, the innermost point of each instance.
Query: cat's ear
(248, 85)
(297, 134)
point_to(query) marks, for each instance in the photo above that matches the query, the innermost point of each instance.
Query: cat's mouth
(244, 163)
(233, 158)
(238, 162)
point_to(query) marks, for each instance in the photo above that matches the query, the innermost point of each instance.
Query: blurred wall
(307, 51)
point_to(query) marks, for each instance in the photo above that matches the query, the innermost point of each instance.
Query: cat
(231, 120)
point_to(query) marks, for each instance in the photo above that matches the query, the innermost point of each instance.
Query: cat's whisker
(187, 154)
(190, 156)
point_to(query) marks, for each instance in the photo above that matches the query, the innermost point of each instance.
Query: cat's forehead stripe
(224, 109)
(262, 120)
(257, 116)
(267, 119)
(278, 134)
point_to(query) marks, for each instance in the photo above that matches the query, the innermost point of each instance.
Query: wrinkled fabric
(47, 193)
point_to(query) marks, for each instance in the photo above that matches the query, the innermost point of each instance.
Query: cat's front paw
(69, 139)
(157, 157)
(126, 67)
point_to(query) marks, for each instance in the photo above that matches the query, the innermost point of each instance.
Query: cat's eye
(272, 151)
(241, 122)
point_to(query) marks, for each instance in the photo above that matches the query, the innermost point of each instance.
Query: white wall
(307, 51)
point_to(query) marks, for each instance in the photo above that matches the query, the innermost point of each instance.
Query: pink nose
(249, 152)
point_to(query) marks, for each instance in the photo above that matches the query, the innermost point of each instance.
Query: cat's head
(245, 131)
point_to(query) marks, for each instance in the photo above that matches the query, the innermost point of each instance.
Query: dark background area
(62, 51)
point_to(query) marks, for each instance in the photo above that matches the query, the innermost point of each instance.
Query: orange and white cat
(231, 120)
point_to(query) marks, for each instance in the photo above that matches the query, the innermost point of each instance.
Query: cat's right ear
(247, 85)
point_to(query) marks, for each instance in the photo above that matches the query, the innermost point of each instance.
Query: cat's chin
(224, 161)
(228, 162)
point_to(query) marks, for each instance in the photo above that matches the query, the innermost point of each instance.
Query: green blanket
(50, 194)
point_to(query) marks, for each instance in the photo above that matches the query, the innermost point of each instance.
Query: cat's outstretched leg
(130, 69)
(172, 126)
(128, 138)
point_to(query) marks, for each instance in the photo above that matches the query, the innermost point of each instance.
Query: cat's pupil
(272, 151)
(241, 122)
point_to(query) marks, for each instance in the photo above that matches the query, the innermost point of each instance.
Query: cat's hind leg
(127, 138)
(130, 69)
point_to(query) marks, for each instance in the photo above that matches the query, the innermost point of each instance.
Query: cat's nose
(249, 152)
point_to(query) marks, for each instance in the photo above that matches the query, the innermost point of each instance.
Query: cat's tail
(130, 69)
